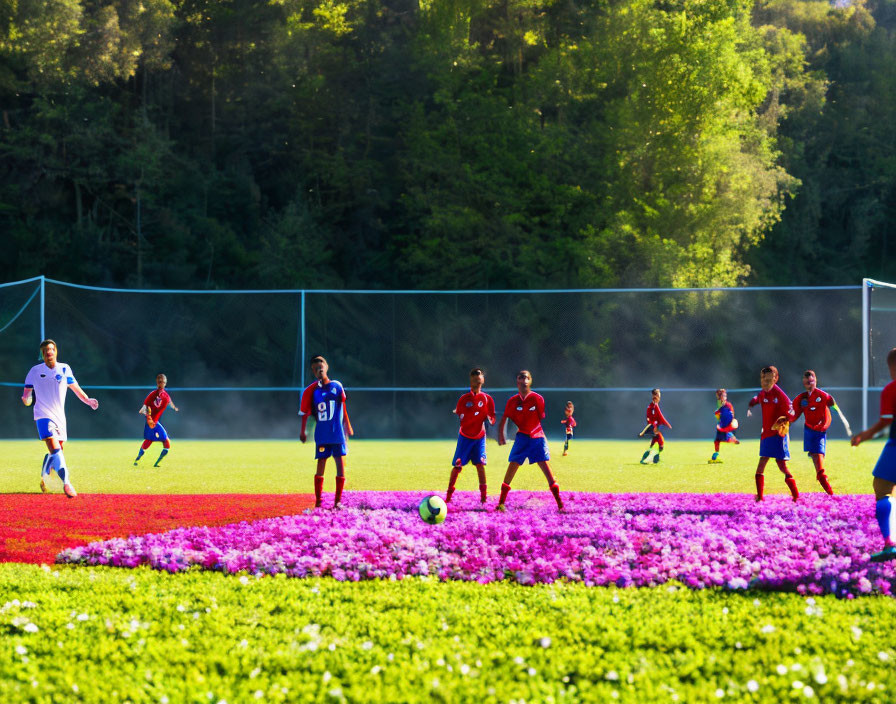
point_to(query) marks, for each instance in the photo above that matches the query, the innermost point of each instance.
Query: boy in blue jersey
(326, 400)
(726, 424)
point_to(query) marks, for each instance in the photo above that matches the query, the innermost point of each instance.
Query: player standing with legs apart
(473, 409)
(45, 386)
(777, 412)
(153, 407)
(885, 470)
(815, 406)
(526, 410)
(326, 400)
(726, 424)
(570, 423)
(655, 419)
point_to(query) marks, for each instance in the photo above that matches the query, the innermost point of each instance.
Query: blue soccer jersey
(328, 410)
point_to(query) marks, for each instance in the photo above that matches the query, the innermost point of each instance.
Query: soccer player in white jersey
(45, 386)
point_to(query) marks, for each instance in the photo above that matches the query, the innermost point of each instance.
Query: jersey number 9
(325, 410)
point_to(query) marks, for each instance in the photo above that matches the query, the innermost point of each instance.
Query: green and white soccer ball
(433, 509)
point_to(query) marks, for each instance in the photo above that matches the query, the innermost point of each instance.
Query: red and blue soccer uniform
(570, 423)
(886, 463)
(816, 408)
(724, 429)
(530, 442)
(473, 410)
(156, 402)
(326, 403)
(655, 419)
(775, 403)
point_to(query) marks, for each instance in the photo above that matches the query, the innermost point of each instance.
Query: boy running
(885, 470)
(655, 419)
(473, 409)
(726, 424)
(570, 423)
(815, 405)
(526, 411)
(153, 407)
(777, 412)
(326, 399)
(45, 386)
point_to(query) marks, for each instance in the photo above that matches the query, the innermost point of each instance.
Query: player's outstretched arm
(81, 394)
(869, 433)
(302, 435)
(347, 424)
(501, 439)
(28, 396)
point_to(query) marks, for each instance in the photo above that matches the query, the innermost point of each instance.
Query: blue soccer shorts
(814, 441)
(526, 448)
(886, 463)
(47, 428)
(334, 450)
(469, 450)
(775, 446)
(157, 434)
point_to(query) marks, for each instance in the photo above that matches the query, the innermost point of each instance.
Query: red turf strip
(36, 527)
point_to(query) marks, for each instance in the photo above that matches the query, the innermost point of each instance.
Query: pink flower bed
(818, 546)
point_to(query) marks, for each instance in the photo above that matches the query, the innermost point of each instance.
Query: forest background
(448, 144)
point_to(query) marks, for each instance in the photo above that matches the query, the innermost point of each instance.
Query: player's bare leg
(455, 473)
(552, 483)
(319, 481)
(886, 518)
(505, 487)
(760, 478)
(566, 446)
(483, 488)
(788, 478)
(340, 479)
(818, 461)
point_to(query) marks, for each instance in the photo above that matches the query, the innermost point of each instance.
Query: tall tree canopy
(454, 144)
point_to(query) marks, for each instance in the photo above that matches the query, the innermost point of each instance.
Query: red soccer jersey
(775, 403)
(570, 423)
(157, 402)
(655, 416)
(526, 414)
(888, 406)
(307, 401)
(816, 408)
(474, 410)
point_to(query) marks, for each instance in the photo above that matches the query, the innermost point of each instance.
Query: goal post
(878, 336)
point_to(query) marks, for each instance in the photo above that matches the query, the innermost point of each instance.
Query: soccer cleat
(645, 456)
(43, 486)
(565, 453)
(656, 458)
(317, 503)
(500, 507)
(885, 555)
(69, 491)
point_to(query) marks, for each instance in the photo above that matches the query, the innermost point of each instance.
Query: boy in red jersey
(815, 405)
(570, 423)
(655, 419)
(726, 424)
(885, 470)
(776, 409)
(326, 399)
(473, 409)
(153, 407)
(526, 410)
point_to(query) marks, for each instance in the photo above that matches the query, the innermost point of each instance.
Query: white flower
(30, 628)
(720, 693)
(21, 649)
(883, 656)
(753, 686)
(768, 628)
(612, 675)
(781, 669)
(545, 642)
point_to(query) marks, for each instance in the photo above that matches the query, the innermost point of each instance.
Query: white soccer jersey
(49, 387)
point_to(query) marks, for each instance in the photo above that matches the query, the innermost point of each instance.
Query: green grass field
(74, 634)
(200, 467)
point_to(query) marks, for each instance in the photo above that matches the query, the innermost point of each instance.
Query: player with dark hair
(655, 419)
(885, 470)
(777, 413)
(325, 398)
(45, 387)
(153, 407)
(474, 409)
(726, 424)
(570, 423)
(815, 404)
(526, 411)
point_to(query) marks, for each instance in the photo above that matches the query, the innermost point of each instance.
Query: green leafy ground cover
(104, 635)
(200, 467)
